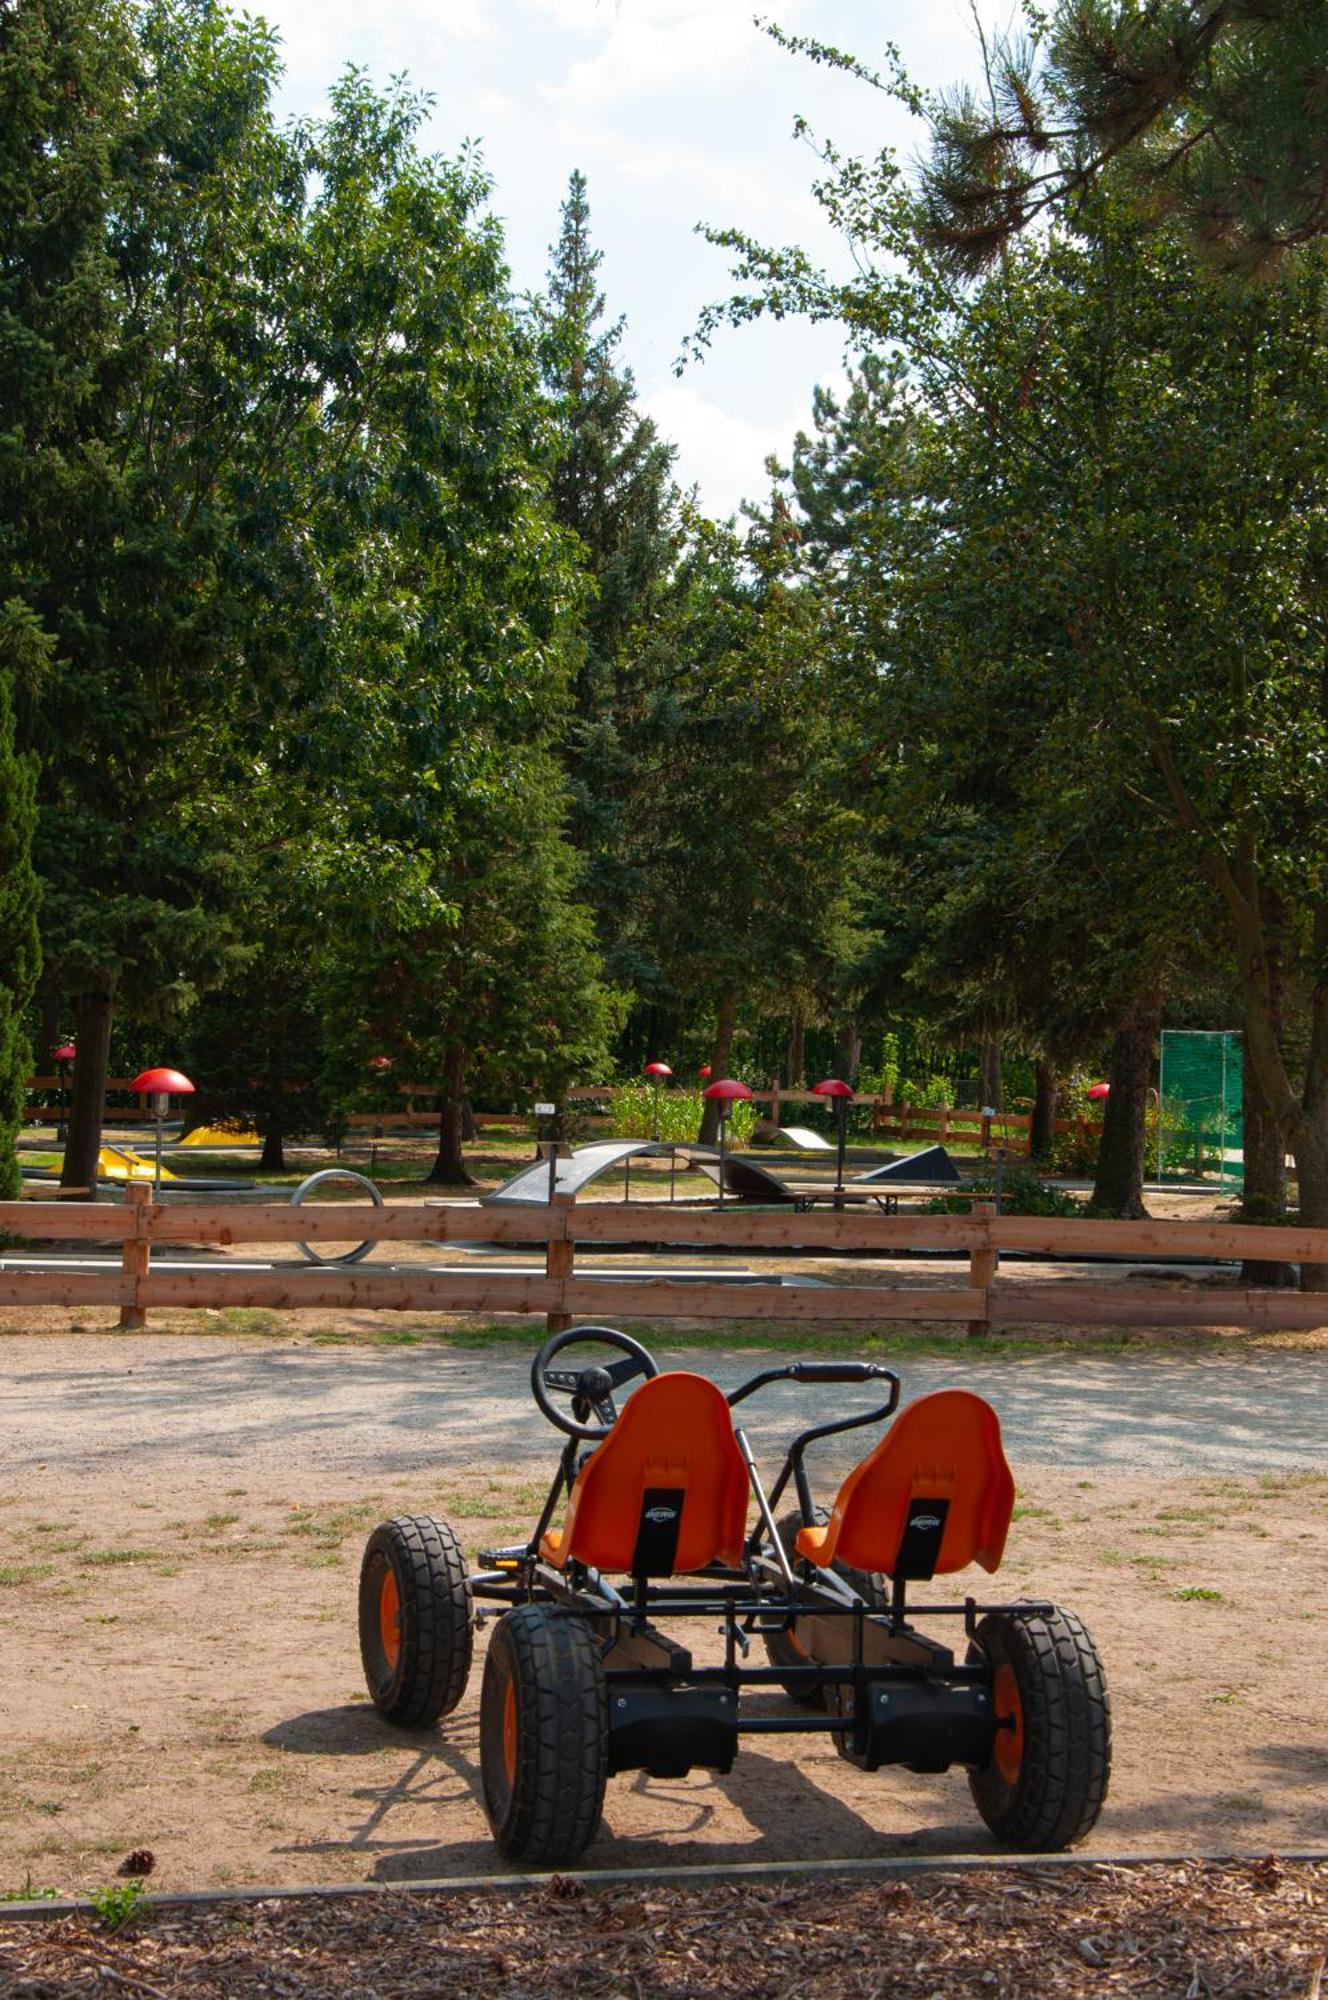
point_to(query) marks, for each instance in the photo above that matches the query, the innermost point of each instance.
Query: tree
(23, 648)
(1214, 107)
(612, 488)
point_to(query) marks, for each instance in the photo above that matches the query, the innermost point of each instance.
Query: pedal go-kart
(580, 1681)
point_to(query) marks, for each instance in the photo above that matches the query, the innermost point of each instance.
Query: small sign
(546, 1110)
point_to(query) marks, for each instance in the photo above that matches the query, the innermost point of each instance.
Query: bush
(1022, 1193)
(634, 1107)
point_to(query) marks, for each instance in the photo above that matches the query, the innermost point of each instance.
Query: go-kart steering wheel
(590, 1388)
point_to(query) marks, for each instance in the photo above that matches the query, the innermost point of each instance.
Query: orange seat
(665, 1492)
(933, 1496)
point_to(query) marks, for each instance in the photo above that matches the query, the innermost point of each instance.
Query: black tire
(544, 1735)
(1045, 1784)
(417, 1627)
(782, 1648)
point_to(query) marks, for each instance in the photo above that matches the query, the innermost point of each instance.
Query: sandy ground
(180, 1529)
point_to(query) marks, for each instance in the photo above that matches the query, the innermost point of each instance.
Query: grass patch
(117, 1558)
(251, 1319)
(14, 1575)
(1197, 1593)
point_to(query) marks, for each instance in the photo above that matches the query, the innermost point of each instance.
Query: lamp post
(657, 1072)
(842, 1093)
(63, 1057)
(725, 1093)
(161, 1085)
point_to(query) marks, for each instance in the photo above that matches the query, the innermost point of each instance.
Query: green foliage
(1022, 1193)
(120, 1902)
(1214, 114)
(639, 1112)
(22, 648)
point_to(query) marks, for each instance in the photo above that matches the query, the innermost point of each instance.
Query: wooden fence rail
(138, 1225)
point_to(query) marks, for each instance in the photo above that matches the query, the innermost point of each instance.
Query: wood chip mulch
(1193, 1931)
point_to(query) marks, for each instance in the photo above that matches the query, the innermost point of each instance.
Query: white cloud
(723, 454)
(653, 46)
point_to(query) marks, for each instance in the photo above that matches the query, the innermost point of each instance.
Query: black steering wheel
(591, 1388)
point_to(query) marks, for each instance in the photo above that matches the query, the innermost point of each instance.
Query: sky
(679, 113)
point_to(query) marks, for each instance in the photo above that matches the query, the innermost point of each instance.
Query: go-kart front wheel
(416, 1621)
(544, 1735)
(1047, 1778)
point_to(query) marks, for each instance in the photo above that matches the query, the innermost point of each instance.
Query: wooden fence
(983, 1298)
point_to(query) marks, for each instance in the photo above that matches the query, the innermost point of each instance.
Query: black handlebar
(817, 1371)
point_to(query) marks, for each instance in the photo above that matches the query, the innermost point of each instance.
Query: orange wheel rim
(509, 1732)
(389, 1619)
(1009, 1751)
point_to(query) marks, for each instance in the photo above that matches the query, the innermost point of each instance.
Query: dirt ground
(179, 1660)
(1251, 1931)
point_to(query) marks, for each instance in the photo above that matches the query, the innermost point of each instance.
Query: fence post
(137, 1253)
(982, 1261)
(561, 1256)
(774, 1100)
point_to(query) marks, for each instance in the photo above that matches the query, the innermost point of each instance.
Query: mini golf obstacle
(743, 1177)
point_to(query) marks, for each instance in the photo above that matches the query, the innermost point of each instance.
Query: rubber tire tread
(778, 1650)
(437, 1620)
(552, 1811)
(1066, 1766)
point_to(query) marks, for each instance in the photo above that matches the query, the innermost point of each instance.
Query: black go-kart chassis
(582, 1682)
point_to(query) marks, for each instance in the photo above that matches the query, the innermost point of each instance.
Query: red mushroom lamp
(161, 1085)
(659, 1073)
(842, 1094)
(725, 1093)
(1099, 1091)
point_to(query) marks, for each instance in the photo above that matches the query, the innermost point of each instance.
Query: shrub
(634, 1107)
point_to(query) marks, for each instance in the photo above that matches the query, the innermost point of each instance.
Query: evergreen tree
(23, 648)
(1215, 108)
(612, 487)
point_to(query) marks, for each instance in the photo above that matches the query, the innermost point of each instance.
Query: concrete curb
(736, 1874)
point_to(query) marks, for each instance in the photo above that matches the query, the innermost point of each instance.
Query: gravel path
(90, 1406)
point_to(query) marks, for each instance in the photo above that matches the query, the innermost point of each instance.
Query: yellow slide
(117, 1163)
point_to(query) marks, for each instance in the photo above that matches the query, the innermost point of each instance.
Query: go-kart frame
(580, 1682)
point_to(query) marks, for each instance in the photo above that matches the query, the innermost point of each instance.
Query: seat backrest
(935, 1495)
(667, 1490)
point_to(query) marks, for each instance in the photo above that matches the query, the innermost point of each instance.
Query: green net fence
(1200, 1129)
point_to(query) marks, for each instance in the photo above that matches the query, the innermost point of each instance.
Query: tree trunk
(795, 1068)
(1265, 1192)
(449, 1168)
(990, 1076)
(850, 1053)
(1119, 1187)
(470, 1131)
(720, 1057)
(272, 1159)
(1042, 1129)
(92, 1038)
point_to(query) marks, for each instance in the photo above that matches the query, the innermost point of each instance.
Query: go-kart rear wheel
(1044, 1786)
(416, 1621)
(783, 1649)
(544, 1735)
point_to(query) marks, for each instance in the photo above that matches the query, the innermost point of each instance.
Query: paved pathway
(92, 1406)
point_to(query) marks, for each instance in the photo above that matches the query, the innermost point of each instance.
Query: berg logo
(926, 1520)
(661, 1514)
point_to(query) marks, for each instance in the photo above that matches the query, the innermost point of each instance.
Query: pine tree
(1215, 110)
(613, 488)
(22, 648)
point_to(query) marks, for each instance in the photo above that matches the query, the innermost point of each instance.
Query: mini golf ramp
(804, 1138)
(530, 1188)
(932, 1164)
